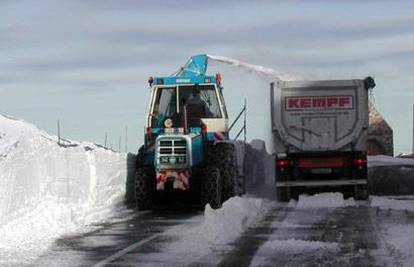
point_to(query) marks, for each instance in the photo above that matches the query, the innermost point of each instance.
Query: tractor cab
(187, 107)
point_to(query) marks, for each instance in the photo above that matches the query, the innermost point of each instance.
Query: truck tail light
(360, 161)
(282, 162)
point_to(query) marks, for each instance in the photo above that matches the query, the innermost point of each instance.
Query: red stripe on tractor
(218, 136)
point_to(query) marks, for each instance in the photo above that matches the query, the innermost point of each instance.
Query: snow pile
(393, 204)
(256, 68)
(47, 189)
(301, 246)
(323, 200)
(383, 160)
(219, 227)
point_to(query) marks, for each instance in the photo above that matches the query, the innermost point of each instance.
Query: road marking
(126, 250)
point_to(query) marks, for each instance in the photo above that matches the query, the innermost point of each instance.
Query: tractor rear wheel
(211, 190)
(130, 181)
(223, 155)
(143, 193)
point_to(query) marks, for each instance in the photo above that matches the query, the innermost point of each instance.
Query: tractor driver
(196, 108)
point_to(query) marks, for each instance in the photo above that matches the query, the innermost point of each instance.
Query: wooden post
(58, 131)
(119, 144)
(126, 138)
(106, 139)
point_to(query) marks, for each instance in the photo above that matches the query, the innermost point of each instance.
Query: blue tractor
(187, 146)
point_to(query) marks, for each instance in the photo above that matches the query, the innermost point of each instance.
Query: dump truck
(319, 131)
(187, 147)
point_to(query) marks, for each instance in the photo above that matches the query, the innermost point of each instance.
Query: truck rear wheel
(143, 193)
(211, 189)
(361, 192)
(283, 194)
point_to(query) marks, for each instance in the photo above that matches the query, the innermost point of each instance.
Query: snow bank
(323, 200)
(382, 160)
(393, 204)
(47, 189)
(218, 227)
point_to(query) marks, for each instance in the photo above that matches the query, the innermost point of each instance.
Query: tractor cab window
(165, 106)
(202, 96)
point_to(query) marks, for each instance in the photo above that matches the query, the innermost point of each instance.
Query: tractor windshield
(204, 95)
(165, 105)
(201, 100)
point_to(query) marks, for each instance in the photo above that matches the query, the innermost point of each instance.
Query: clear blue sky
(87, 62)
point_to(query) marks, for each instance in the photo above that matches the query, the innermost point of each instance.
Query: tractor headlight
(173, 160)
(181, 160)
(168, 123)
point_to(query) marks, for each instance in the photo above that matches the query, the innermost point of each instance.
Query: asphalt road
(345, 236)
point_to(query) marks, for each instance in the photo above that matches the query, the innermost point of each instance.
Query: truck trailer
(319, 131)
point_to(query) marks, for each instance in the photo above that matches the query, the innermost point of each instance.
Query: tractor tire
(211, 187)
(130, 182)
(223, 156)
(143, 193)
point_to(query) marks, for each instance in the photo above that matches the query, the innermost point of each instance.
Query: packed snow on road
(71, 190)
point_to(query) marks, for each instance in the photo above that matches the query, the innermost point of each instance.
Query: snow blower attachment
(187, 146)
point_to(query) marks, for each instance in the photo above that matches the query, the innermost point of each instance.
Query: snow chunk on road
(217, 227)
(299, 246)
(400, 243)
(323, 200)
(231, 220)
(393, 204)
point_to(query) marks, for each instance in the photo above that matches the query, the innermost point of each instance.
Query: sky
(86, 63)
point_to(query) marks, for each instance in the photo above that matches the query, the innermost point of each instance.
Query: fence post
(119, 144)
(126, 138)
(58, 131)
(106, 139)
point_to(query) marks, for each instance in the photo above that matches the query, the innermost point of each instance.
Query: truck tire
(211, 189)
(224, 158)
(361, 192)
(143, 193)
(283, 194)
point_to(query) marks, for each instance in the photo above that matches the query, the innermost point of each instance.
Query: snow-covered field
(47, 190)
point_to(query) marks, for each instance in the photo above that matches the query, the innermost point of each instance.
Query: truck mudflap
(322, 183)
(173, 179)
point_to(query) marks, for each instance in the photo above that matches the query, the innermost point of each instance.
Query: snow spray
(254, 68)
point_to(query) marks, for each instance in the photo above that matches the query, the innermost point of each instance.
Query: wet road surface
(346, 236)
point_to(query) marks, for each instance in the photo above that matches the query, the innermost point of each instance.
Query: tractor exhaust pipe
(185, 116)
